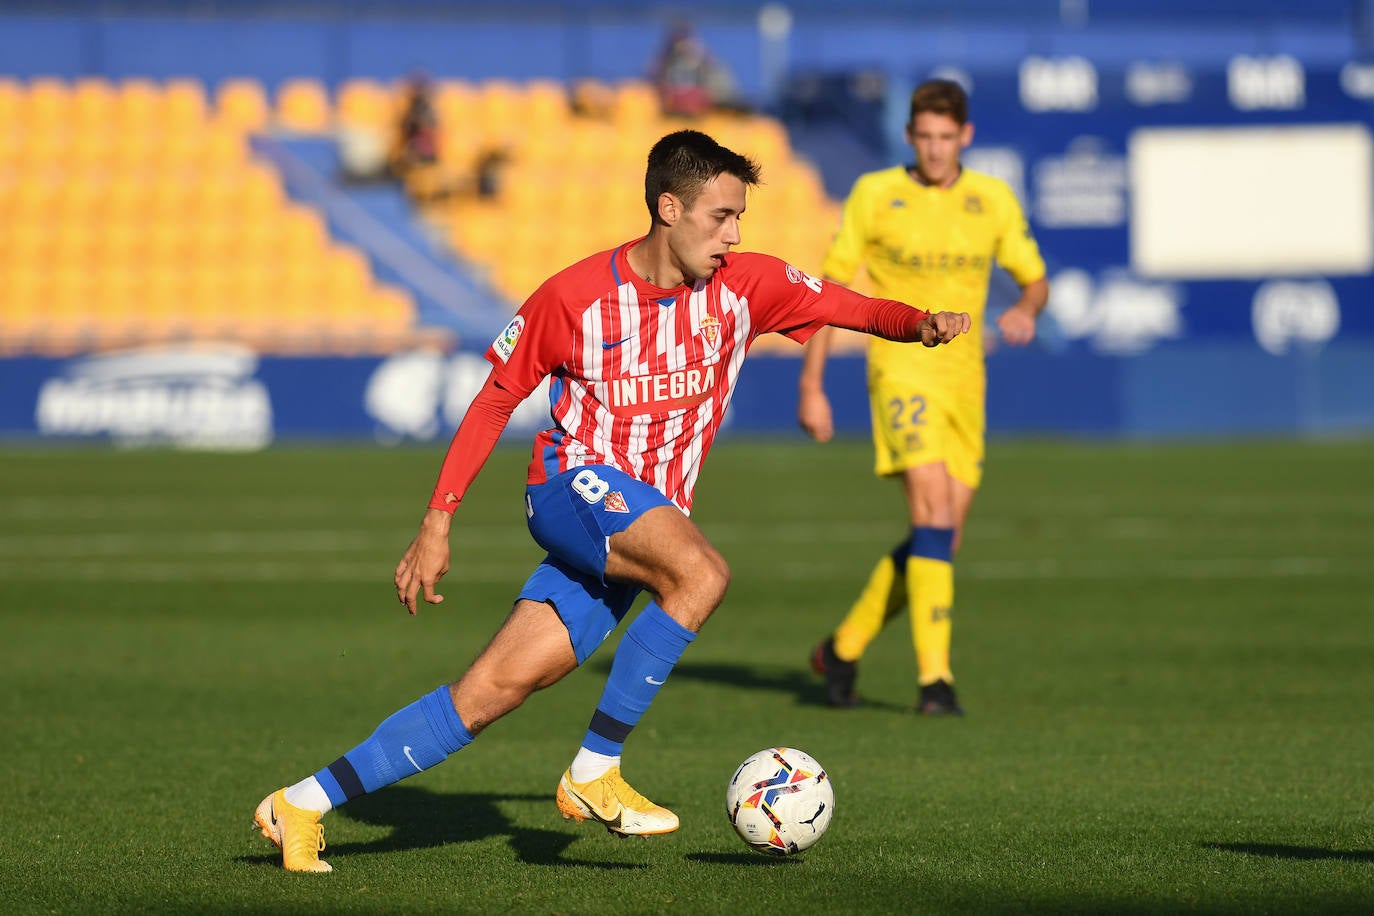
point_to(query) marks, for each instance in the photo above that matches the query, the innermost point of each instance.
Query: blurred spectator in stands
(417, 135)
(690, 80)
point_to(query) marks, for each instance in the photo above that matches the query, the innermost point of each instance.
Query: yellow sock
(881, 599)
(930, 589)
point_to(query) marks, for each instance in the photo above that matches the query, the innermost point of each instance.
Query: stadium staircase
(379, 219)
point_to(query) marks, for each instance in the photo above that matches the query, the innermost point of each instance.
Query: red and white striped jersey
(641, 376)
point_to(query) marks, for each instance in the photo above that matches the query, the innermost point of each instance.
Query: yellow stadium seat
(365, 103)
(70, 306)
(12, 100)
(138, 107)
(28, 243)
(132, 153)
(9, 148)
(166, 242)
(390, 312)
(168, 201)
(455, 102)
(303, 105)
(21, 321)
(501, 118)
(590, 144)
(255, 240)
(89, 149)
(48, 103)
(24, 283)
(546, 104)
(303, 233)
(92, 103)
(242, 104)
(259, 193)
(184, 104)
(126, 198)
(74, 244)
(636, 103)
(223, 151)
(79, 197)
(122, 280)
(177, 153)
(213, 238)
(348, 268)
(165, 285)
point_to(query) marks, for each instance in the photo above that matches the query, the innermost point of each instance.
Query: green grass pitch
(1166, 653)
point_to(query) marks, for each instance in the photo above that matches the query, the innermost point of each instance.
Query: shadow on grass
(1285, 851)
(808, 689)
(420, 820)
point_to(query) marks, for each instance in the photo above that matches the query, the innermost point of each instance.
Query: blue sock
(646, 655)
(932, 543)
(409, 741)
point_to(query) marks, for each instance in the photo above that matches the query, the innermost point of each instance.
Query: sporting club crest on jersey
(615, 502)
(973, 204)
(800, 276)
(709, 328)
(504, 345)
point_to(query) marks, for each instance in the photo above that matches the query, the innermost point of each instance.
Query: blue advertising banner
(1178, 204)
(227, 398)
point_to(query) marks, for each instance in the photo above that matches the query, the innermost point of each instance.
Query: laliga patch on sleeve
(504, 345)
(798, 276)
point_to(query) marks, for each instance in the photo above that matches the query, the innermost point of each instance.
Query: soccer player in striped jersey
(927, 233)
(643, 346)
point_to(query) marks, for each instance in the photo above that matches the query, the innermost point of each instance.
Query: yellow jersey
(933, 248)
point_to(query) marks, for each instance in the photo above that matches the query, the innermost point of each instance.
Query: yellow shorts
(916, 423)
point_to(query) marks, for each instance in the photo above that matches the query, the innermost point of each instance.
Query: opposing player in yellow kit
(927, 232)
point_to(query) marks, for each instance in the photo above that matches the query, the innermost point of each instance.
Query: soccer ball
(780, 801)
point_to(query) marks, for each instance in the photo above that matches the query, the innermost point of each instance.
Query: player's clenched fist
(942, 327)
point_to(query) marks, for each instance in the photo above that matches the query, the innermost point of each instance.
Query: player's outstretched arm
(894, 320)
(427, 558)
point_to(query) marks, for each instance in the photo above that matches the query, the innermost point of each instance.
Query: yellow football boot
(297, 832)
(611, 801)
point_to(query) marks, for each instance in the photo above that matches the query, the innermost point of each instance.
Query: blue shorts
(573, 516)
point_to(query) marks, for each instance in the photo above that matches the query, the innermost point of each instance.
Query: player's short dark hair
(684, 161)
(942, 97)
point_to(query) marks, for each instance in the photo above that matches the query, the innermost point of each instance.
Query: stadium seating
(572, 180)
(135, 213)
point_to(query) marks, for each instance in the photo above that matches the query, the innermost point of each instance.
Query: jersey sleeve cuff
(445, 502)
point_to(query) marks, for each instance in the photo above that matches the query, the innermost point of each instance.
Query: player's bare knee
(932, 510)
(695, 588)
(710, 580)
